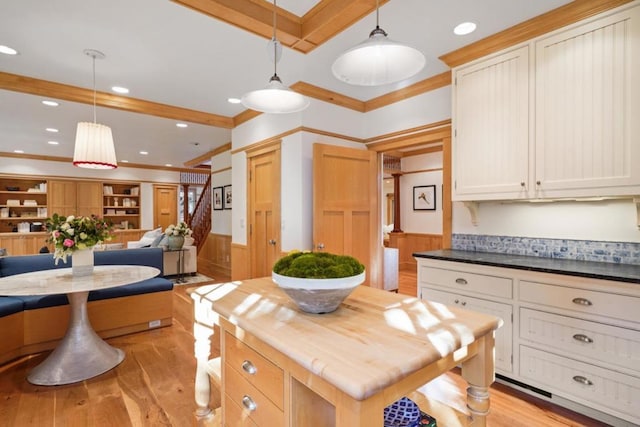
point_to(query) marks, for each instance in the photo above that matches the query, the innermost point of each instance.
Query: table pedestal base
(81, 354)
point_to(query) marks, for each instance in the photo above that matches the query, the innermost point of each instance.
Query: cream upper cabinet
(557, 117)
(491, 134)
(587, 83)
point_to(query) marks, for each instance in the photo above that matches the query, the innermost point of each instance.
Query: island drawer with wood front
(254, 386)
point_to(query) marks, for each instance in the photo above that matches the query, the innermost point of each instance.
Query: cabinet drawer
(459, 281)
(241, 393)
(581, 300)
(255, 369)
(585, 383)
(233, 416)
(609, 344)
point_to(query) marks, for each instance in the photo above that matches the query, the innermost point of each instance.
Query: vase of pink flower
(76, 236)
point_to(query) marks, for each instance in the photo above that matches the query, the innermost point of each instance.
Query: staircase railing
(200, 220)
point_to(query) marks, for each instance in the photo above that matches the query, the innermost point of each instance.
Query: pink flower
(56, 234)
(68, 243)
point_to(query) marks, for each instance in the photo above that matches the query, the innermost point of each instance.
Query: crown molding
(65, 92)
(120, 165)
(557, 18)
(197, 161)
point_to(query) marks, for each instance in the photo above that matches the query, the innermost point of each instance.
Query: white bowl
(318, 295)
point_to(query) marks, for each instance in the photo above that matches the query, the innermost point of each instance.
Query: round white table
(81, 354)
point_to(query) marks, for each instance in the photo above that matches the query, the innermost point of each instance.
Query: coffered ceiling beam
(61, 91)
(321, 23)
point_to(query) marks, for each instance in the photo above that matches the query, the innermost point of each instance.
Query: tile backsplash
(586, 250)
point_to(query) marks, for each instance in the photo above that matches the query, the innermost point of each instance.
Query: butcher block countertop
(374, 339)
(595, 270)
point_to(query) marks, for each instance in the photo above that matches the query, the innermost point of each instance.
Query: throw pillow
(148, 237)
(156, 241)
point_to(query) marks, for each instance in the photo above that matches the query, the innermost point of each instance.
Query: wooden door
(264, 210)
(165, 205)
(62, 197)
(89, 198)
(346, 217)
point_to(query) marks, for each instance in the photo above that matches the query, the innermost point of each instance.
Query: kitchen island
(280, 366)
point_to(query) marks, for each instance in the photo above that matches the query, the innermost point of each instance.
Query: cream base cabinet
(587, 82)
(491, 133)
(575, 338)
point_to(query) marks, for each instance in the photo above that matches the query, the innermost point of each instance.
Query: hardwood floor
(153, 386)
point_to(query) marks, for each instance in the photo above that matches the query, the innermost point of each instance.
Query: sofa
(31, 324)
(156, 238)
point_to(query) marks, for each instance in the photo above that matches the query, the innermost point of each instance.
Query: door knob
(272, 242)
(320, 246)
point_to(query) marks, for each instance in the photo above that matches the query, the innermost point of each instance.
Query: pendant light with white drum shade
(94, 147)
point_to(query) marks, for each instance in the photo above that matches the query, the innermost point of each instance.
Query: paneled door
(345, 205)
(62, 197)
(264, 209)
(165, 205)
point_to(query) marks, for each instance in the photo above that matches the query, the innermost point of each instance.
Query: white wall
(221, 176)
(421, 221)
(614, 220)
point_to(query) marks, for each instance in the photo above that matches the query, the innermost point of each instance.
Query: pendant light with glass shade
(94, 147)
(276, 98)
(378, 60)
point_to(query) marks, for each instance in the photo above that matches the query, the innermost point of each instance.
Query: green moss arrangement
(317, 265)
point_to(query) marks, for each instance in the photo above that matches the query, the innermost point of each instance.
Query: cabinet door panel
(504, 334)
(491, 138)
(587, 108)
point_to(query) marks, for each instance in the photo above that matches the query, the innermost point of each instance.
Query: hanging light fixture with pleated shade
(94, 147)
(276, 98)
(378, 60)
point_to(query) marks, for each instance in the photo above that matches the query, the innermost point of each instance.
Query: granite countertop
(595, 270)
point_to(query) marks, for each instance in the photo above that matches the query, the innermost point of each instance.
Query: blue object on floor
(402, 413)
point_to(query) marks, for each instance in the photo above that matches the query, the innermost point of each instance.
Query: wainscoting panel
(408, 243)
(239, 262)
(214, 258)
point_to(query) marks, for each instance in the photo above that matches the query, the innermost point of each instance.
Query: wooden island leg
(479, 372)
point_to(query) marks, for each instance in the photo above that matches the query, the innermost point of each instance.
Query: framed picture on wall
(424, 198)
(226, 196)
(217, 199)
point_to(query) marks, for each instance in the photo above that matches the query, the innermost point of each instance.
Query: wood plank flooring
(153, 386)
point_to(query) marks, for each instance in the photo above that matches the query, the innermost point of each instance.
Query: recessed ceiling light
(50, 103)
(8, 50)
(144, 153)
(52, 130)
(464, 28)
(168, 165)
(18, 151)
(182, 125)
(119, 89)
(124, 161)
(53, 142)
(234, 100)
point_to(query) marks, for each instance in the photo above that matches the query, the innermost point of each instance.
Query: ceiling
(167, 53)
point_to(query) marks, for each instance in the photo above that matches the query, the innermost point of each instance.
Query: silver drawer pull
(582, 380)
(248, 403)
(461, 281)
(582, 338)
(581, 301)
(249, 367)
